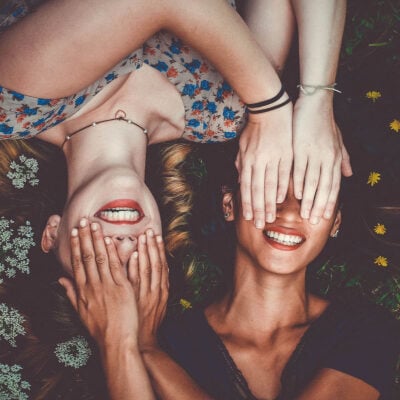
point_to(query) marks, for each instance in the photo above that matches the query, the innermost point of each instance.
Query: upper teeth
(120, 214)
(288, 240)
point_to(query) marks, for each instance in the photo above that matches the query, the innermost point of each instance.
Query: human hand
(319, 156)
(101, 292)
(148, 274)
(264, 162)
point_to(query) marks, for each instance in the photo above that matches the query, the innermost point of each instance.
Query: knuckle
(330, 206)
(136, 281)
(115, 265)
(257, 189)
(101, 259)
(157, 267)
(259, 212)
(87, 257)
(76, 262)
(147, 271)
(313, 183)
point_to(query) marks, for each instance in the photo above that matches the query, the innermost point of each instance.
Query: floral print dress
(214, 113)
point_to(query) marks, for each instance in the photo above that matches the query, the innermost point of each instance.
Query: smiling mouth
(282, 239)
(121, 212)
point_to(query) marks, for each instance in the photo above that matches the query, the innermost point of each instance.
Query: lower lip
(281, 246)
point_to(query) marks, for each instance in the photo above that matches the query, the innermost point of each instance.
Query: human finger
(238, 164)
(87, 251)
(322, 194)
(101, 256)
(164, 270)
(331, 203)
(271, 187)
(257, 195)
(299, 173)
(114, 263)
(155, 261)
(70, 291)
(310, 187)
(78, 268)
(144, 266)
(133, 272)
(285, 167)
(164, 263)
(345, 164)
(245, 192)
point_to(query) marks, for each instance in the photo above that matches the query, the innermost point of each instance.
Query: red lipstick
(121, 211)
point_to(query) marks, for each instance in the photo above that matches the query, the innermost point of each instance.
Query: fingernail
(159, 239)
(94, 227)
(314, 220)
(150, 232)
(327, 214)
(270, 217)
(74, 232)
(259, 224)
(107, 240)
(135, 254)
(299, 195)
(247, 216)
(280, 198)
(142, 239)
(83, 222)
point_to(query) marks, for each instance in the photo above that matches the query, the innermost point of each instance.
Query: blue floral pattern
(214, 112)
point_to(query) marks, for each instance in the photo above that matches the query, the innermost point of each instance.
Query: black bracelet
(269, 101)
(263, 110)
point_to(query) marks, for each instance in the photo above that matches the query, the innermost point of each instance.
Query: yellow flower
(395, 125)
(373, 178)
(381, 261)
(373, 95)
(380, 229)
(185, 304)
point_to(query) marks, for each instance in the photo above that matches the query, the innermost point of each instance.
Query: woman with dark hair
(100, 96)
(266, 336)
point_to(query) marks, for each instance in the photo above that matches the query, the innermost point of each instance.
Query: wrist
(264, 117)
(320, 101)
(120, 346)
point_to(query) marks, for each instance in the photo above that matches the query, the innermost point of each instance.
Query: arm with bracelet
(319, 153)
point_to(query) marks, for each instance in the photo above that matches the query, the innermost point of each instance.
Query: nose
(289, 210)
(126, 245)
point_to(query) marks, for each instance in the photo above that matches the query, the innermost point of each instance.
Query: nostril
(120, 238)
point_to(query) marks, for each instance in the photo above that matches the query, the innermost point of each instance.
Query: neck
(265, 301)
(112, 145)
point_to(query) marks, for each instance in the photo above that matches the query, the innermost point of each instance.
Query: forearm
(214, 29)
(169, 380)
(320, 24)
(82, 40)
(126, 375)
(272, 25)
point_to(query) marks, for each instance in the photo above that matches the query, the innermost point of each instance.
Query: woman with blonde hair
(266, 336)
(69, 85)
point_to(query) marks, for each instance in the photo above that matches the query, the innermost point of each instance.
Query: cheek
(63, 250)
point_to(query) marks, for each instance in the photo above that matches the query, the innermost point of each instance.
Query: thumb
(345, 165)
(70, 291)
